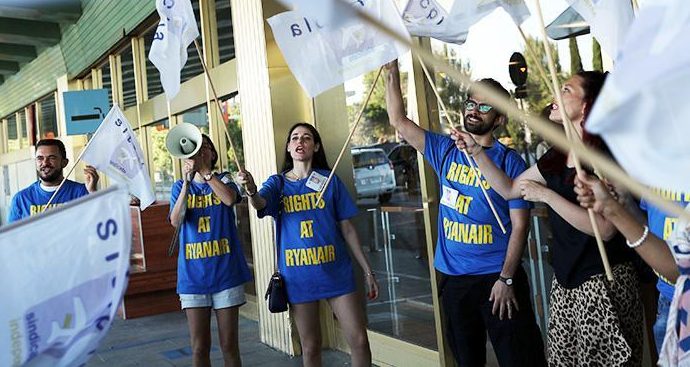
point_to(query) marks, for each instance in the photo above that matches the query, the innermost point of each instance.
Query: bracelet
(371, 273)
(639, 242)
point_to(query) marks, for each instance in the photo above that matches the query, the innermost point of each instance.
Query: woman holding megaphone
(313, 257)
(211, 269)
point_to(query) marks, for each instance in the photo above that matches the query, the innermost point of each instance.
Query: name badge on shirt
(450, 197)
(316, 181)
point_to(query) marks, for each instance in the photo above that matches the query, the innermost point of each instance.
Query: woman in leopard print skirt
(593, 322)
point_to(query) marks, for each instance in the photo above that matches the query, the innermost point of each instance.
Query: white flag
(643, 110)
(64, 275)
(428, 18)
(324, 57)
(325, 11)
(176, 30)
(114, 149)
(609, 21)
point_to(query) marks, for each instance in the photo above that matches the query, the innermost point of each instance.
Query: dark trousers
(466, 305)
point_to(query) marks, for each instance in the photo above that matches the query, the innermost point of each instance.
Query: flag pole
(571, 134)
(349, 137)
(539, 125)
(215, 96)
(72, 169)
(473, 164)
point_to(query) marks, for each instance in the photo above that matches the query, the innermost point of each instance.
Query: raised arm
(410, 131)
(245, 179)
(504, 185)
(227, 195)
(592, 193)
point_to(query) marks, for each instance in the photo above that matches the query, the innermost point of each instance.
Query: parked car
(374, 175)
(404, 159)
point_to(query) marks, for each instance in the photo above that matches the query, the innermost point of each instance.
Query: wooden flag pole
(220, 109)
(473, 164)
(349, 137)
(571, 134)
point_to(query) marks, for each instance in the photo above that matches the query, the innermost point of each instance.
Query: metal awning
(27, 27)
(568, 24)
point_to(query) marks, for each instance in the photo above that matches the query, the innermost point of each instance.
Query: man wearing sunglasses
(483, 287)
(51, 160)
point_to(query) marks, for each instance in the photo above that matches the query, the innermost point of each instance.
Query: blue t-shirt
(470, 240)
(313, 258)
(32, 200)
(662, 225)
(211, 258)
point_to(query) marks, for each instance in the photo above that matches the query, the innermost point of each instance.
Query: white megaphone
(183, 140)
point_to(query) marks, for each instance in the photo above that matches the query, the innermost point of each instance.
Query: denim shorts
(230, 297)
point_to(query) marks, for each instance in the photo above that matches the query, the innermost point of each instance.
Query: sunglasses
(483, 108)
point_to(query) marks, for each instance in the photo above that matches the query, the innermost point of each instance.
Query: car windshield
(365, 159)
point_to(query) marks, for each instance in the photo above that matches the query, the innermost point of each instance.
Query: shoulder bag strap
(277, 221)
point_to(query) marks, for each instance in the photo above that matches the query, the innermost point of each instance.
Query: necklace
(293, 175)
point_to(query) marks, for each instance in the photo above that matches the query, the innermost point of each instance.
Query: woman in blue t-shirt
(313, 256)
(211, 269)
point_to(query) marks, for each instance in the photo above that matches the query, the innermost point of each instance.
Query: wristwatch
(208, 176)
(507, 281)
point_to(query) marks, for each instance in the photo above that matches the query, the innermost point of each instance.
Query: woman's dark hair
(318, 161)
(208, 140)
(592, 82)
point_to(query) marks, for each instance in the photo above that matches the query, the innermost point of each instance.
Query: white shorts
(230, 297)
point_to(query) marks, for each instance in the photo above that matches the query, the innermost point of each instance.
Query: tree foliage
(575, 60)
(235, 130)
(597, 62)
(538, 91)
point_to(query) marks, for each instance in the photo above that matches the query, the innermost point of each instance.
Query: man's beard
(51, 177)
(478, 129)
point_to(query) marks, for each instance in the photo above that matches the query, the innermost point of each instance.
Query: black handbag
(276, 294)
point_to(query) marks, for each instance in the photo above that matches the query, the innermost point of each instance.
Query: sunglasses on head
(483, 108)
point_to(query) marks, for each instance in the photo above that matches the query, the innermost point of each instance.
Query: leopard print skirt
(598, 323)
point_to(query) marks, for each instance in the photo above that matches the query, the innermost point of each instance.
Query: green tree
(374, 127)
(452, 93)
(538, 91)
(597, 62)
(162, 161)
(235, 130)
(575, 60)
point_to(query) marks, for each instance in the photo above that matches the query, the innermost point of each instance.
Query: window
(198, 117)
(107, 82)
(12, 136)
(391, 228)
(231, 110)
(226, 42)
(128, 88)
(24, 131)
(193, 66)
(364, 158)
(48, 119)
(163, 177)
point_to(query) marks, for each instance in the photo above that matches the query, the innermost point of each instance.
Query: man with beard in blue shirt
(51, 160)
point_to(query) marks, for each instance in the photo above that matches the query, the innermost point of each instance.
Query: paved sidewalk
(163, 340)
